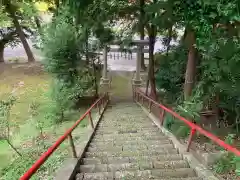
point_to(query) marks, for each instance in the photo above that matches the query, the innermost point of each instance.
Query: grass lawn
(30, 84)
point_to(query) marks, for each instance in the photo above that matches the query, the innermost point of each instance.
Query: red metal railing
(100, 102)
(137, 94)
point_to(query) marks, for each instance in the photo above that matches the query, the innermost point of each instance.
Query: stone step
(140, 165)
(124, 131)
(93, 147)
(128, 138)
(167, 174)
(123, 117)
(106, 148)
(98, 176)
(134, 142)
(142, 120)
(124, 109)
(125, 125)
(130, 159)
(113, 119)
(118, 118)
(131, 153)
(190, 178)
(137, 134)
(128, 145)
(124, 113)
(129, 133)
(173, 173)
(125, 105)
(128, 129)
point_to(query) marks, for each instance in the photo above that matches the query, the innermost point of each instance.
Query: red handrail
(49, 152)
(193, 126)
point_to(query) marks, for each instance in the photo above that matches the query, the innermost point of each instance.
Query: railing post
(162, 114)
(142, 101)
(135, 95)
(103, 101)
(98, 108)
(132, 93)
(90, 119)
(72, 146)
(150, 106)
(101, 104)
(107, 98)
(193, 131)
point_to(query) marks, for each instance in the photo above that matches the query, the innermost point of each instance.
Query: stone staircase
(127, 145)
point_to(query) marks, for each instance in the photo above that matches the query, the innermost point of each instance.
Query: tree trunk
(1, 53)
(141, 30)
(143, 67)
(191, 65)
(38, 24)
(95, 78)
(87, 50)
(20, 32)
(57, 3)
(151, 76)
(170, 30)
(147, 86)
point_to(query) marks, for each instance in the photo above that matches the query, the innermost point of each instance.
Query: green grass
(31, 84)
(121, 85)
(5, 156)
(27, 87)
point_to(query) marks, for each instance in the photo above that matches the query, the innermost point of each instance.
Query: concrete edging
(200, 169)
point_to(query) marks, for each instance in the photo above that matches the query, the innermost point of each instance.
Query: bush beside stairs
(127, 145)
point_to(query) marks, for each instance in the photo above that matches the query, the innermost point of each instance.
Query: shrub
(228, 161)
(170, 76)
(63, 46)
(224, 164)
(178, 128)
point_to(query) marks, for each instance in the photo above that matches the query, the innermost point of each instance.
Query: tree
(191, 64)
(151, 72)
(11, 10)
(210, 38)
(30, 15)
(9, 36)
(141, 28)
(152, 30)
